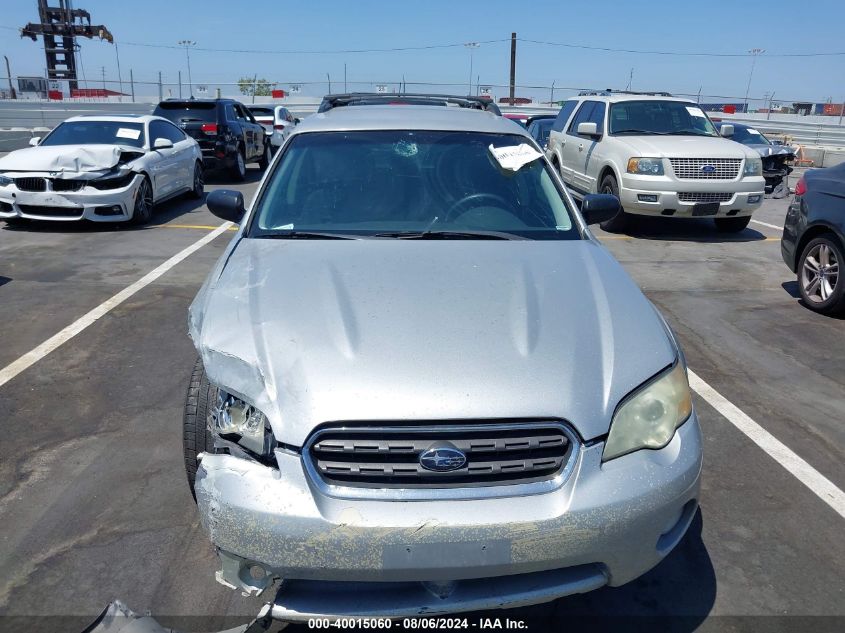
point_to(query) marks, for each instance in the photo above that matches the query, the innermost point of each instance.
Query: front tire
(620, 221)
(195, 436)
(732, 225)
(198, 189)
(142, 212)
(818, 275)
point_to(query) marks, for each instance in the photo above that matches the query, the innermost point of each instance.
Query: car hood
(684, 146)
(388, 330)
(772, 150)
(66, 161)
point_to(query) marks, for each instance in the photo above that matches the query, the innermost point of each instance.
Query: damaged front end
(97, 183)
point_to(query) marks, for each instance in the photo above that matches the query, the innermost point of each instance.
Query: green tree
(262, 86)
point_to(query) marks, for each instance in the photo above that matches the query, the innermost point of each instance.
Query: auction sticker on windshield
(514, 157)
(126, 132)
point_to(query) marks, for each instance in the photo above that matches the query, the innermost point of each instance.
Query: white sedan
(100, 168)
(277, 121)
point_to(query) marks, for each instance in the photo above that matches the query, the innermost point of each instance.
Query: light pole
(471, 46)
(187, 44)
(754, 52)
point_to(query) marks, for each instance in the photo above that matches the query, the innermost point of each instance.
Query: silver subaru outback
(395, 412)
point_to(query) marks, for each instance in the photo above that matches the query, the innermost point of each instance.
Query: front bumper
(606, 524)
(111, 205)
(668, 202)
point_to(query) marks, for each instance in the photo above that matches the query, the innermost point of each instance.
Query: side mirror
(34, 141)
(226, 204)
(599, 207)
(588, 128)
(296, 121)
(726, 130)
(162, 143)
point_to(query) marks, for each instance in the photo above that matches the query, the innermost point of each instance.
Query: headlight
(5, 180)
(753, 166)
(645, 166)
(233, 419)
(112, 182)
(649, 417)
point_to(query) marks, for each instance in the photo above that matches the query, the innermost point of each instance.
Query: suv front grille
(699, 196)
(389, 457)
(706, 168)
(31, 184)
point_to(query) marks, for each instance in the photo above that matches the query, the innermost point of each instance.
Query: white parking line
(33, 356)
(821, 486)
(771, 226)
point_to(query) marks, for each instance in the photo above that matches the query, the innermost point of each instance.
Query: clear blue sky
(774, 25)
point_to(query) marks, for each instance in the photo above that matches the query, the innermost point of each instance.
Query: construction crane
(60, 26)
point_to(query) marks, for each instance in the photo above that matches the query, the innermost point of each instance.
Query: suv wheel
(619, 221)
(266, 157)
(818, 275)
(195, 436)
(239, 168)
(732, 225)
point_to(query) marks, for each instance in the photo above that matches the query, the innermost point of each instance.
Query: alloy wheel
(820, 273)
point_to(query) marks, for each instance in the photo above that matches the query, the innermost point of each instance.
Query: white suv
(660, 155)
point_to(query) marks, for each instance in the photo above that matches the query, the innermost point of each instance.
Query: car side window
(589, 112)
(157, 131)
(563, 115)
(230, 112)
(170, 131)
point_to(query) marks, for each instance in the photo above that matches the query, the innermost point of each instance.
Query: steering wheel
(502, 203)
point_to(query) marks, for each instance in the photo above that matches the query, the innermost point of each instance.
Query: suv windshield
(749, 136)
(396, 183)
(97, 133)
(659, 117)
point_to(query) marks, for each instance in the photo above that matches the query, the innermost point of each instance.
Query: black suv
(227, 133)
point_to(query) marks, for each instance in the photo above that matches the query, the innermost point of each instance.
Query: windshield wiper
(688, 133)
(632, 131)
(306, 235)
(449, 235)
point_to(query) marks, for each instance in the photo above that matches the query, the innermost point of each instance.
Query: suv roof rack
(608, 92)
(407, 98)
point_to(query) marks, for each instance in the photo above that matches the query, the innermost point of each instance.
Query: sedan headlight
(5, 180)
(648, 418)
(645, 166)
(237, 421)
(753, 166)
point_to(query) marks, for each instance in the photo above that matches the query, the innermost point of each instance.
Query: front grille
(706, 168)
(31, 184)
(496, 454)
(50, 212)
(60, 184)
(698, 196)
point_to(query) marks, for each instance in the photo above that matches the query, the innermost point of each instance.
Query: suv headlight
(645, 166)
(233, 419)
(753, 166)
(648, 418)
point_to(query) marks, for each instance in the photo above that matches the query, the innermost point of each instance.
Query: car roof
(616, 98)
(117, 118)
(729, 122)
(408, 117)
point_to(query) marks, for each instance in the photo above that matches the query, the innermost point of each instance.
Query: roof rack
(407, 98)
(608, 92)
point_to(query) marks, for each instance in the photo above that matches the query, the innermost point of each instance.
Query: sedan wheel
(818, 276)
(198, 189)
(143, 210)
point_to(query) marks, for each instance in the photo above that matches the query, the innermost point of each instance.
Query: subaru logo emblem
(708, 169)
(442, 458)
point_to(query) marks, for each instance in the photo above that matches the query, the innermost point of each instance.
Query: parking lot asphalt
(94, 503)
